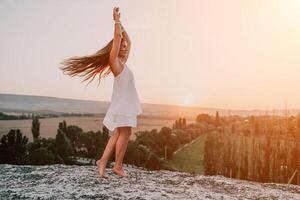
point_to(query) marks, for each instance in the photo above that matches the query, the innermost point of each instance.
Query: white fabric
(125, 103)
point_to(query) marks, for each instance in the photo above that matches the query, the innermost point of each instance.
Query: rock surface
(83, 182)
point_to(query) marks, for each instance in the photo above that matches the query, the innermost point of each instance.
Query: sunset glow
(186, 100)
(227, 54)
(152, 99)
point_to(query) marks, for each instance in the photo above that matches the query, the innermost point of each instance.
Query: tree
(234, 160)
(291, 127)
(175, 125)
(295, 161)
(63, 126)
(180, 123)
(227, 156)
(244, 159)
(13, 147)
(256, 127)
(267, 159)
(208, 160)
(42, 156)
(73, 133)
(217, 120)
(63, 145)
(184, 123)
(136, 154)
(153, 162)
(298, 127)
(165, 137)
(203, 118)
(35, 128)
(42, 151)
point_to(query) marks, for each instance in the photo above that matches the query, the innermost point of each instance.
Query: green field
(190, 158)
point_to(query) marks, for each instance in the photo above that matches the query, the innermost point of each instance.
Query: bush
(42, 156)
(63, 145)
(13, 147)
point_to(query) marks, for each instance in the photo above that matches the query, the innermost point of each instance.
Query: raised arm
(117, 37)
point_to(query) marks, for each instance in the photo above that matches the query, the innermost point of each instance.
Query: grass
(190, 158)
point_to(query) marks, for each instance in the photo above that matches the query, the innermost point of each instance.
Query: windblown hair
(89, 66)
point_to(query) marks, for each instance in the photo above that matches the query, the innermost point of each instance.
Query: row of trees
(215, 121)
(180, 123)
(4, 116)
(69, 141)
(264, 149)
(148, 150)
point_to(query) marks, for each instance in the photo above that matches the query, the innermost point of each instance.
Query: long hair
(89, 66)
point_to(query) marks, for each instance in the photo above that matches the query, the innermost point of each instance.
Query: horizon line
(177, 105)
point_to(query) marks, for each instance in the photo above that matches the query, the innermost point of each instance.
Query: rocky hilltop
(82, 182)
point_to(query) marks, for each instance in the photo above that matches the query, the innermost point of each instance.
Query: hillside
(47, 104)
(83, 182)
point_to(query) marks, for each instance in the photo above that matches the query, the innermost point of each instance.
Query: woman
(125, 105)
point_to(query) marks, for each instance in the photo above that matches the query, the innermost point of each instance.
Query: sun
(186, 100)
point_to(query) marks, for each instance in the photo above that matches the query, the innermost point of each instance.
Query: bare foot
(101, 168)
(119, 171)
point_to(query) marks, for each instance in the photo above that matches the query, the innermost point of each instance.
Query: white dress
(125, 104)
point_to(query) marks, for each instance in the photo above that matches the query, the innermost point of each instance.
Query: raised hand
(116, 14)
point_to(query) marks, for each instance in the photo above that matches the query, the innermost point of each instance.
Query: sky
(233, 54)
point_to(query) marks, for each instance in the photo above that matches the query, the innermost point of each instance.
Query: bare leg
(110, 146)
(121, 147)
